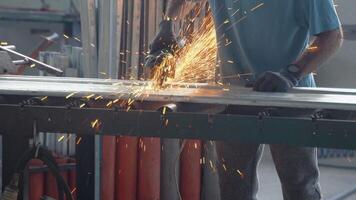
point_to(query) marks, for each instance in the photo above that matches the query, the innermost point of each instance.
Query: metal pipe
(40, 65)
(21, 62)
(12, 47)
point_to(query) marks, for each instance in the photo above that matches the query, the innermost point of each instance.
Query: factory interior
(90, 111)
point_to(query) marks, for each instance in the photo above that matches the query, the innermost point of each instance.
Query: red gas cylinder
(126, 168)
(190, 176)
(51, 184)
(36, 181)
(149, 169)
(108, 168)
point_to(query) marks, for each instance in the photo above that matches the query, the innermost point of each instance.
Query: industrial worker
(269, 39)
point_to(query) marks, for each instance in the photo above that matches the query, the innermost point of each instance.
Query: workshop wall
(341, 69)
(27, 23)
(58, 5)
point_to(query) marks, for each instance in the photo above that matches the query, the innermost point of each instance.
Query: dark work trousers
(237, 164)
(296, 166)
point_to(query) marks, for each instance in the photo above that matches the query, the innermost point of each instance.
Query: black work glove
(163, 44)
(276, 81)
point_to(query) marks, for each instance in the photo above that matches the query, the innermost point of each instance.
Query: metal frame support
(298, 131)
(110, 19)
(109, 34)
(89, 25)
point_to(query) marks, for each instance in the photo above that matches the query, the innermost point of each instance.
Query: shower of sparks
(193, 63)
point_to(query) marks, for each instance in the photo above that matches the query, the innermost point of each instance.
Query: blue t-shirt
(255, 36)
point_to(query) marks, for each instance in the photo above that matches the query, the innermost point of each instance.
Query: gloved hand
(163, 44)
(276, 81)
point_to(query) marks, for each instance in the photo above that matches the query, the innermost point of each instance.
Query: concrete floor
(333, 181)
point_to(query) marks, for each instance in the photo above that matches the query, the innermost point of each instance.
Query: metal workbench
(311, 117)
(319, 117)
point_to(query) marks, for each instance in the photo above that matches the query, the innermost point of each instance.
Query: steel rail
(321, 98)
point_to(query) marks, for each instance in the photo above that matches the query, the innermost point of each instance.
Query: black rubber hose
(51, 163)
(45, 156)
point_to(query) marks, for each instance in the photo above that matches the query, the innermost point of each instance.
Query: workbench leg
(85, 167)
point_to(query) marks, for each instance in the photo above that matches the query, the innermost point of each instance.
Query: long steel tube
(321, 98)
(40, 65)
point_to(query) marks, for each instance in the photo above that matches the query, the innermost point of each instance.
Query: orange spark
(44, 98)
(95, 123)
(61, 138)
(240, 173)
(74, 189)
(79, 140)
(224, 166)
(70, 95)
(259, 5)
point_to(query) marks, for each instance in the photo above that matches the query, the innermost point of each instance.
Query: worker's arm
(323, 47)
(322, 21)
